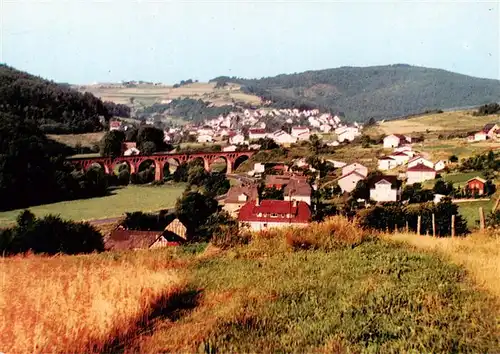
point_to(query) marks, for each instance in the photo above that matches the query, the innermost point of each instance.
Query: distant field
(88, 140)
(470, 211)
(148, 95)
(457, 120)
(131, 198)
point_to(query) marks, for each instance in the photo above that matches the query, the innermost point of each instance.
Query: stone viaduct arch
(109, 164)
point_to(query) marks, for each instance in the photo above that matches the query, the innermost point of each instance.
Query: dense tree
(487, 109)
(131, 134)
(267, 144)
(111, 143)
(117, 109)
(443, 187)
(50, 235)
(153, 135)
(193, 209)
(55, 108)
(414, 193)
(315, 144)
(453, 158)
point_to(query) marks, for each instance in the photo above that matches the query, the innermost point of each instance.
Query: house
(348, 182)
(280, 181)
(440, 165)
(236, 139)
(395, 140)
(298, 190)
(417, 160)
(385, 189)
(348, 134)
(230, 148)
(298, 130)
(206, 131)
(400, 157)
(386, 163)
(256, 133)
(325, 128)
(129, 148)
(283, 138)
(479, 136)
(304, 136)
(259, 167)
(204, 138)
(124, 239)
(476, 185)
(362, 170)
(491, 130)
(419, 173)
(237, 196)
(115, 125)
(268, 214)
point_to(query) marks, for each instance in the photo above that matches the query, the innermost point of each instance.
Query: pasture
(119, 201)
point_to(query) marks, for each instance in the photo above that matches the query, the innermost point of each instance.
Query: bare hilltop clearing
(148, 94)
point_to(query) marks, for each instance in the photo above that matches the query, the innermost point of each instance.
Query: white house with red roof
(419, 173)
(395, 140)
(348, 182)
(420, 160)
(359, 168)
(115, 125)
(400, 157)
(281, 137)
(296, 131)
(256, 133)
(386, 163)
(261, 215)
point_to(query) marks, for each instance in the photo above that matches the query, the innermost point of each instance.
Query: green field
(470, 211)
(131, 198)
(461, 178)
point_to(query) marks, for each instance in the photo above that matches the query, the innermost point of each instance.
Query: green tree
(315, 143)
(111, 143)
(148, 148)
(197, 175)
(453, 158)
(443, 187)
(131, 134)
(150, 134)
(193, 209)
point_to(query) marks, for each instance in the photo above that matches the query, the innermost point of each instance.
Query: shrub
(334, 233)
(228, 237)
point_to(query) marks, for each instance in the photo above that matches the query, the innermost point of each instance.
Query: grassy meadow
(119, 201)
(85, 140)
(328, 288)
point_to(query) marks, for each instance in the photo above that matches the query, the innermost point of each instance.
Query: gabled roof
(386, 179)
(399, 153)
(299, 210)
(420, 168)
(418, 157)
(234, 192)
(488, 127)
(298, 188)
(122, 239)
(353, 172)
(257, 131)
(482, 180)
(385, 158)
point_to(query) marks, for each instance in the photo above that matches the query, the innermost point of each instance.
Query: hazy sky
(83, 41)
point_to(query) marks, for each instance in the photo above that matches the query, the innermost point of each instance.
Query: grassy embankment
(130, 198)
(347, 293)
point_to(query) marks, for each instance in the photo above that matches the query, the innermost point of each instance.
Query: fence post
(419, 222)
(433, 225)
(481, 219)
(407, 227)
(453, 225)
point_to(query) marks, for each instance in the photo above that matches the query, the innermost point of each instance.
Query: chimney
(257, 201)
(294, 203)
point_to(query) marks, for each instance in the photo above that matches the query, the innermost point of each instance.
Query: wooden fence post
(481, 219)
(419, 222)
(433, 225)
(407, 227)
(453, 225)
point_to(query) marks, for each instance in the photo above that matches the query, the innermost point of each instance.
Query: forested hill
(55, 108)
(381, 92)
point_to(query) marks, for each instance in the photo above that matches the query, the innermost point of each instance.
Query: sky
(85, 41)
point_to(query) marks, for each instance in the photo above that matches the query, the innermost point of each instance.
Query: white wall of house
(348, 183)
(297, 131)
(391, 141)
(204, 138)
(419, 176)
(480, 136)
(384, 193)
(260, 225)
(259, 167)
(230, 148)
(237, 139)
(385, 164)
(256, 136)
(440, 165)
(400, 159)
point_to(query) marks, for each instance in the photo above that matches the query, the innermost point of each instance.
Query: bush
(228, 237)
(49, 235)
(334, 233)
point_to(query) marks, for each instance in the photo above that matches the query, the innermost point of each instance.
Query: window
(274, 215)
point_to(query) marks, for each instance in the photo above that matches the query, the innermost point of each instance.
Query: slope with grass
(119, 201)
(328, 288)
(379, 91)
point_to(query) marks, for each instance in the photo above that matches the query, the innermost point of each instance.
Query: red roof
(257, 131)
(421, 168)
(386, 158)
(399, 154)
(299, 210)
(353, 172)
(115, 124)
(299, 127)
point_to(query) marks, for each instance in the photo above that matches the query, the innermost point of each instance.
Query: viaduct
(160, 160)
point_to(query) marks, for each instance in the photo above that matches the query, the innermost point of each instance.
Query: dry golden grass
(478, 253)
(81, 304)
(88, 139)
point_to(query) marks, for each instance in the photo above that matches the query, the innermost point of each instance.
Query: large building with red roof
(261, 215)
(419, 173)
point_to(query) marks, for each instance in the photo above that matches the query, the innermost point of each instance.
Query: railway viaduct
(233, 160)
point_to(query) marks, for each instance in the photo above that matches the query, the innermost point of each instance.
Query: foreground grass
(378, 296)
(131, 198)
(479, 254)
(80, 304)
(470, 211)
